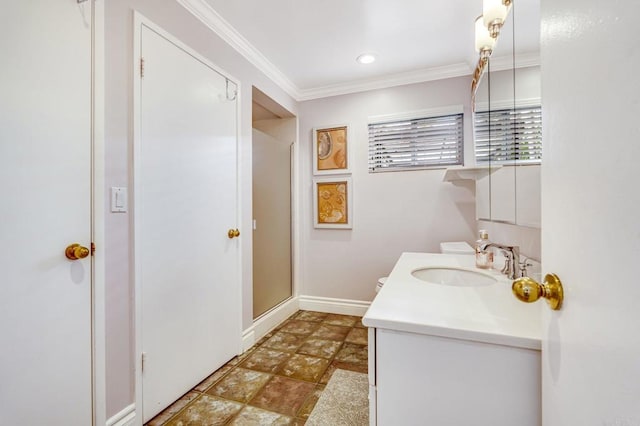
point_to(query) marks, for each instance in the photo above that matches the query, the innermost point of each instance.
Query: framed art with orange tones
(331, 150)
(333, 202)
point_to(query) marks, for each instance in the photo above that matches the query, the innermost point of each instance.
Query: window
(509, 135)
(416, 143)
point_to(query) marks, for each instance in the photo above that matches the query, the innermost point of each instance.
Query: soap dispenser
(484, 258)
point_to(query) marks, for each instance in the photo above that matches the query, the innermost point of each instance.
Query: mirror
(507, 122)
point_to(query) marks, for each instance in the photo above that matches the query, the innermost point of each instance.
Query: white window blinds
(509, 135)
(416, 143)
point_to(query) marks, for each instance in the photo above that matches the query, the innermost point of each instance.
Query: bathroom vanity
(450, 345)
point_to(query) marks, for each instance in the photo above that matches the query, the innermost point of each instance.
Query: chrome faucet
(512, 261)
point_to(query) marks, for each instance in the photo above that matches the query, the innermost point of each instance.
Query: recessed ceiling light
(366, 58)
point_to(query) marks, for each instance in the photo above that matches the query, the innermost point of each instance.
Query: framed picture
(333, 202)
(331, 150)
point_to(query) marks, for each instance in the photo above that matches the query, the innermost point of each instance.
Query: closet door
(185, 204)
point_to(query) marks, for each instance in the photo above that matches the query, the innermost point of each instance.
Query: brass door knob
(529, 290)
(76, 251)
(233, 233)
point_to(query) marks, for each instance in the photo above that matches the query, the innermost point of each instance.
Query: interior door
(591, 211)
(185, 204)
(45, 168)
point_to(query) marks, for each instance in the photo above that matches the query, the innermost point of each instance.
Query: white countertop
(489, 314)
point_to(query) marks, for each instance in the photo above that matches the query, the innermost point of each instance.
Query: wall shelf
(468, 173)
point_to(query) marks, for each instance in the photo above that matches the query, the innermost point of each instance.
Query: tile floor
(279, 380)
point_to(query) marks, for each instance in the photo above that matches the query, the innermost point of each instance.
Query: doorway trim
(98, 214)
(138, 21)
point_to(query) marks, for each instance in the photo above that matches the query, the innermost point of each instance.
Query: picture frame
(331, 150)
(333, 202)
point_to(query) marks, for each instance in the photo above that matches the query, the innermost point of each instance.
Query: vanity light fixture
(484, 41)
(494, 13)
(487, 29)
(366, 58)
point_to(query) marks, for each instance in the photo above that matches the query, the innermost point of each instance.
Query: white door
(185, 204)
(45, 170)
(591, 211)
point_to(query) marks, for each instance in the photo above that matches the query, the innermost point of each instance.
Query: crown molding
(212, 19)
(523, 60)
(399, 79)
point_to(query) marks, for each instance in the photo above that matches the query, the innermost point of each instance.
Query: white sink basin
(459, 277)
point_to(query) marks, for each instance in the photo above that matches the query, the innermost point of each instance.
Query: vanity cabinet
(418, 379)
(452, 353)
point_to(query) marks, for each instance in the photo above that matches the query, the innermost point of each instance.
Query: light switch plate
(118, 199)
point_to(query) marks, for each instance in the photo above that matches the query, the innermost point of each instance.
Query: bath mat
(344, 402)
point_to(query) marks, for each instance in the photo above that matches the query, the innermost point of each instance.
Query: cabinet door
(503, 194)
(447, 382)
(528, 196)
(483, 200)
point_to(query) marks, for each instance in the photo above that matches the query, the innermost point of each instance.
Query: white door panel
(591, 211)
(186, 201)
(45, 166)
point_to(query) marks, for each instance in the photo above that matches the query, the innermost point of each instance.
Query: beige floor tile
(206, 410)
(352, 353)
(173, 409)
(300, 327)
(240, 385)
(311, 316)
(320, 348)
(283, 395)
(266, 360)
(252, 416)
(331, 332)
(284, 342)
(359, 336)
(310, 403)
(212, 379)
(304, 367)
(358, 368)
(344, 320)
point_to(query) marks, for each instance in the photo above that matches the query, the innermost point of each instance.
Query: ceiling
(310, 47)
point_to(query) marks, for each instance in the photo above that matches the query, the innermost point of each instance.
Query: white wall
(283, 129)
(394, 211)
(118, 118)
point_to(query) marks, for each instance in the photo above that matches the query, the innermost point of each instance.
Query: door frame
(138, 21)
(98, 216)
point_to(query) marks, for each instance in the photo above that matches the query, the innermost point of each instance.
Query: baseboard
(248, 339)
(267, 322)
(333, 306)
(126, 417)
(274, 317)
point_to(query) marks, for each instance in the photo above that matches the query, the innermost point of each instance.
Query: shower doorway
(274, 131)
